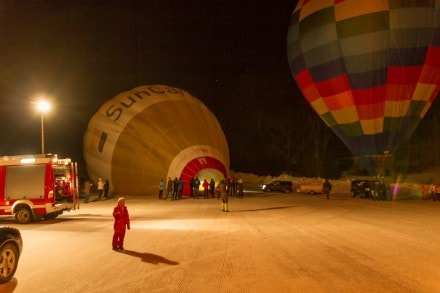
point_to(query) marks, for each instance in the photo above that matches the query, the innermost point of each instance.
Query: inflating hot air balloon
(152, 133)
(370, 69)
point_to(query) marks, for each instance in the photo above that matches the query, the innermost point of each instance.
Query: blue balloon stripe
(407, 56)
(327, 70)
(368, 79)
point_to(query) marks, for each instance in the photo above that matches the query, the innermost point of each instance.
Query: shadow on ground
(9, 287)
(264, 209)
(149, 257)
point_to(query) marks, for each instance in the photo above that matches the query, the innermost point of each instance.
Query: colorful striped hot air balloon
(151, 133)
(370, 69)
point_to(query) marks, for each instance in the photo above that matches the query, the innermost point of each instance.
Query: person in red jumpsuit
(122, 221)
(205, 189)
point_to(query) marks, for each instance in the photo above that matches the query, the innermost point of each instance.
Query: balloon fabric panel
(361, 25)
(343, 100)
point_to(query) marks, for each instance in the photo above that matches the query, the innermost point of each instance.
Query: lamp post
(43, 107)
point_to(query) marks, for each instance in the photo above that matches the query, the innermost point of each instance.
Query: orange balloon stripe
(352, 8)
(365, 111)
(339, 101)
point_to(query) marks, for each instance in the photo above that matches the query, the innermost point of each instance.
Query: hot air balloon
(370, 69)
(151, 133)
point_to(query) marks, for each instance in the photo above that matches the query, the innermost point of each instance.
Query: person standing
(240, 188)
(191, 187)
(169, 188)
(212, 187)
(161, 187)
(205, 189)
(231, 186)
(87, 186)
(180, 188)
(122, 222)
(196, 187)
(100, 188)
(106, 188)
(327, 187)
(437, 192)
(224, 195)
(432, 190)
(175, 188)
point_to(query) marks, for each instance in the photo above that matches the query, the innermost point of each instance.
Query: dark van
(278, 185)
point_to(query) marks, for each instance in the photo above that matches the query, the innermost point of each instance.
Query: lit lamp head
(43, 106)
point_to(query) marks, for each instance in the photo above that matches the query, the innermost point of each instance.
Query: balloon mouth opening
(203, 168)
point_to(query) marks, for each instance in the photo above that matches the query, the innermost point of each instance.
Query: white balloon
(151, 133)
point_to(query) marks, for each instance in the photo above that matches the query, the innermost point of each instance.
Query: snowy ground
(266, 243)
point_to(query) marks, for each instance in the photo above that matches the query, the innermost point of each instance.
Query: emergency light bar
(27, 161)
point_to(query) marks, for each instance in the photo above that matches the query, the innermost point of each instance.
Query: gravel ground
(266, 243)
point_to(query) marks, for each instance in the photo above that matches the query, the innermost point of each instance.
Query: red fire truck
(35, 187)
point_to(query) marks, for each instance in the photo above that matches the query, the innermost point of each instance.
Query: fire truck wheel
(23, 215)
(8, 262)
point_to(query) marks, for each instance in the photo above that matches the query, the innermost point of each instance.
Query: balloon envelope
(152, 133)
(370, 69)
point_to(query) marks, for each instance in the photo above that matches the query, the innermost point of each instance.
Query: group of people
(102, 188)
(226, 188)
(174, 188)
(208, 188)
(234, 187)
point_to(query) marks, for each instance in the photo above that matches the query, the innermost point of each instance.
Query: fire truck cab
(35, 187)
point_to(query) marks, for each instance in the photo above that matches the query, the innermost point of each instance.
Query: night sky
(229, 54)
(82, 53)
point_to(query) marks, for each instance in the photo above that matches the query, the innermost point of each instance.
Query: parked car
(11, 245)
(311, 188)
(358, 187)
(371, 189)
(278, 185)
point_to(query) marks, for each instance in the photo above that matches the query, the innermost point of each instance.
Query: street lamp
(43, 107)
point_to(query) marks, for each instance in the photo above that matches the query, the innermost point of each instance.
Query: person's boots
(226, 207)
(223, 207)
